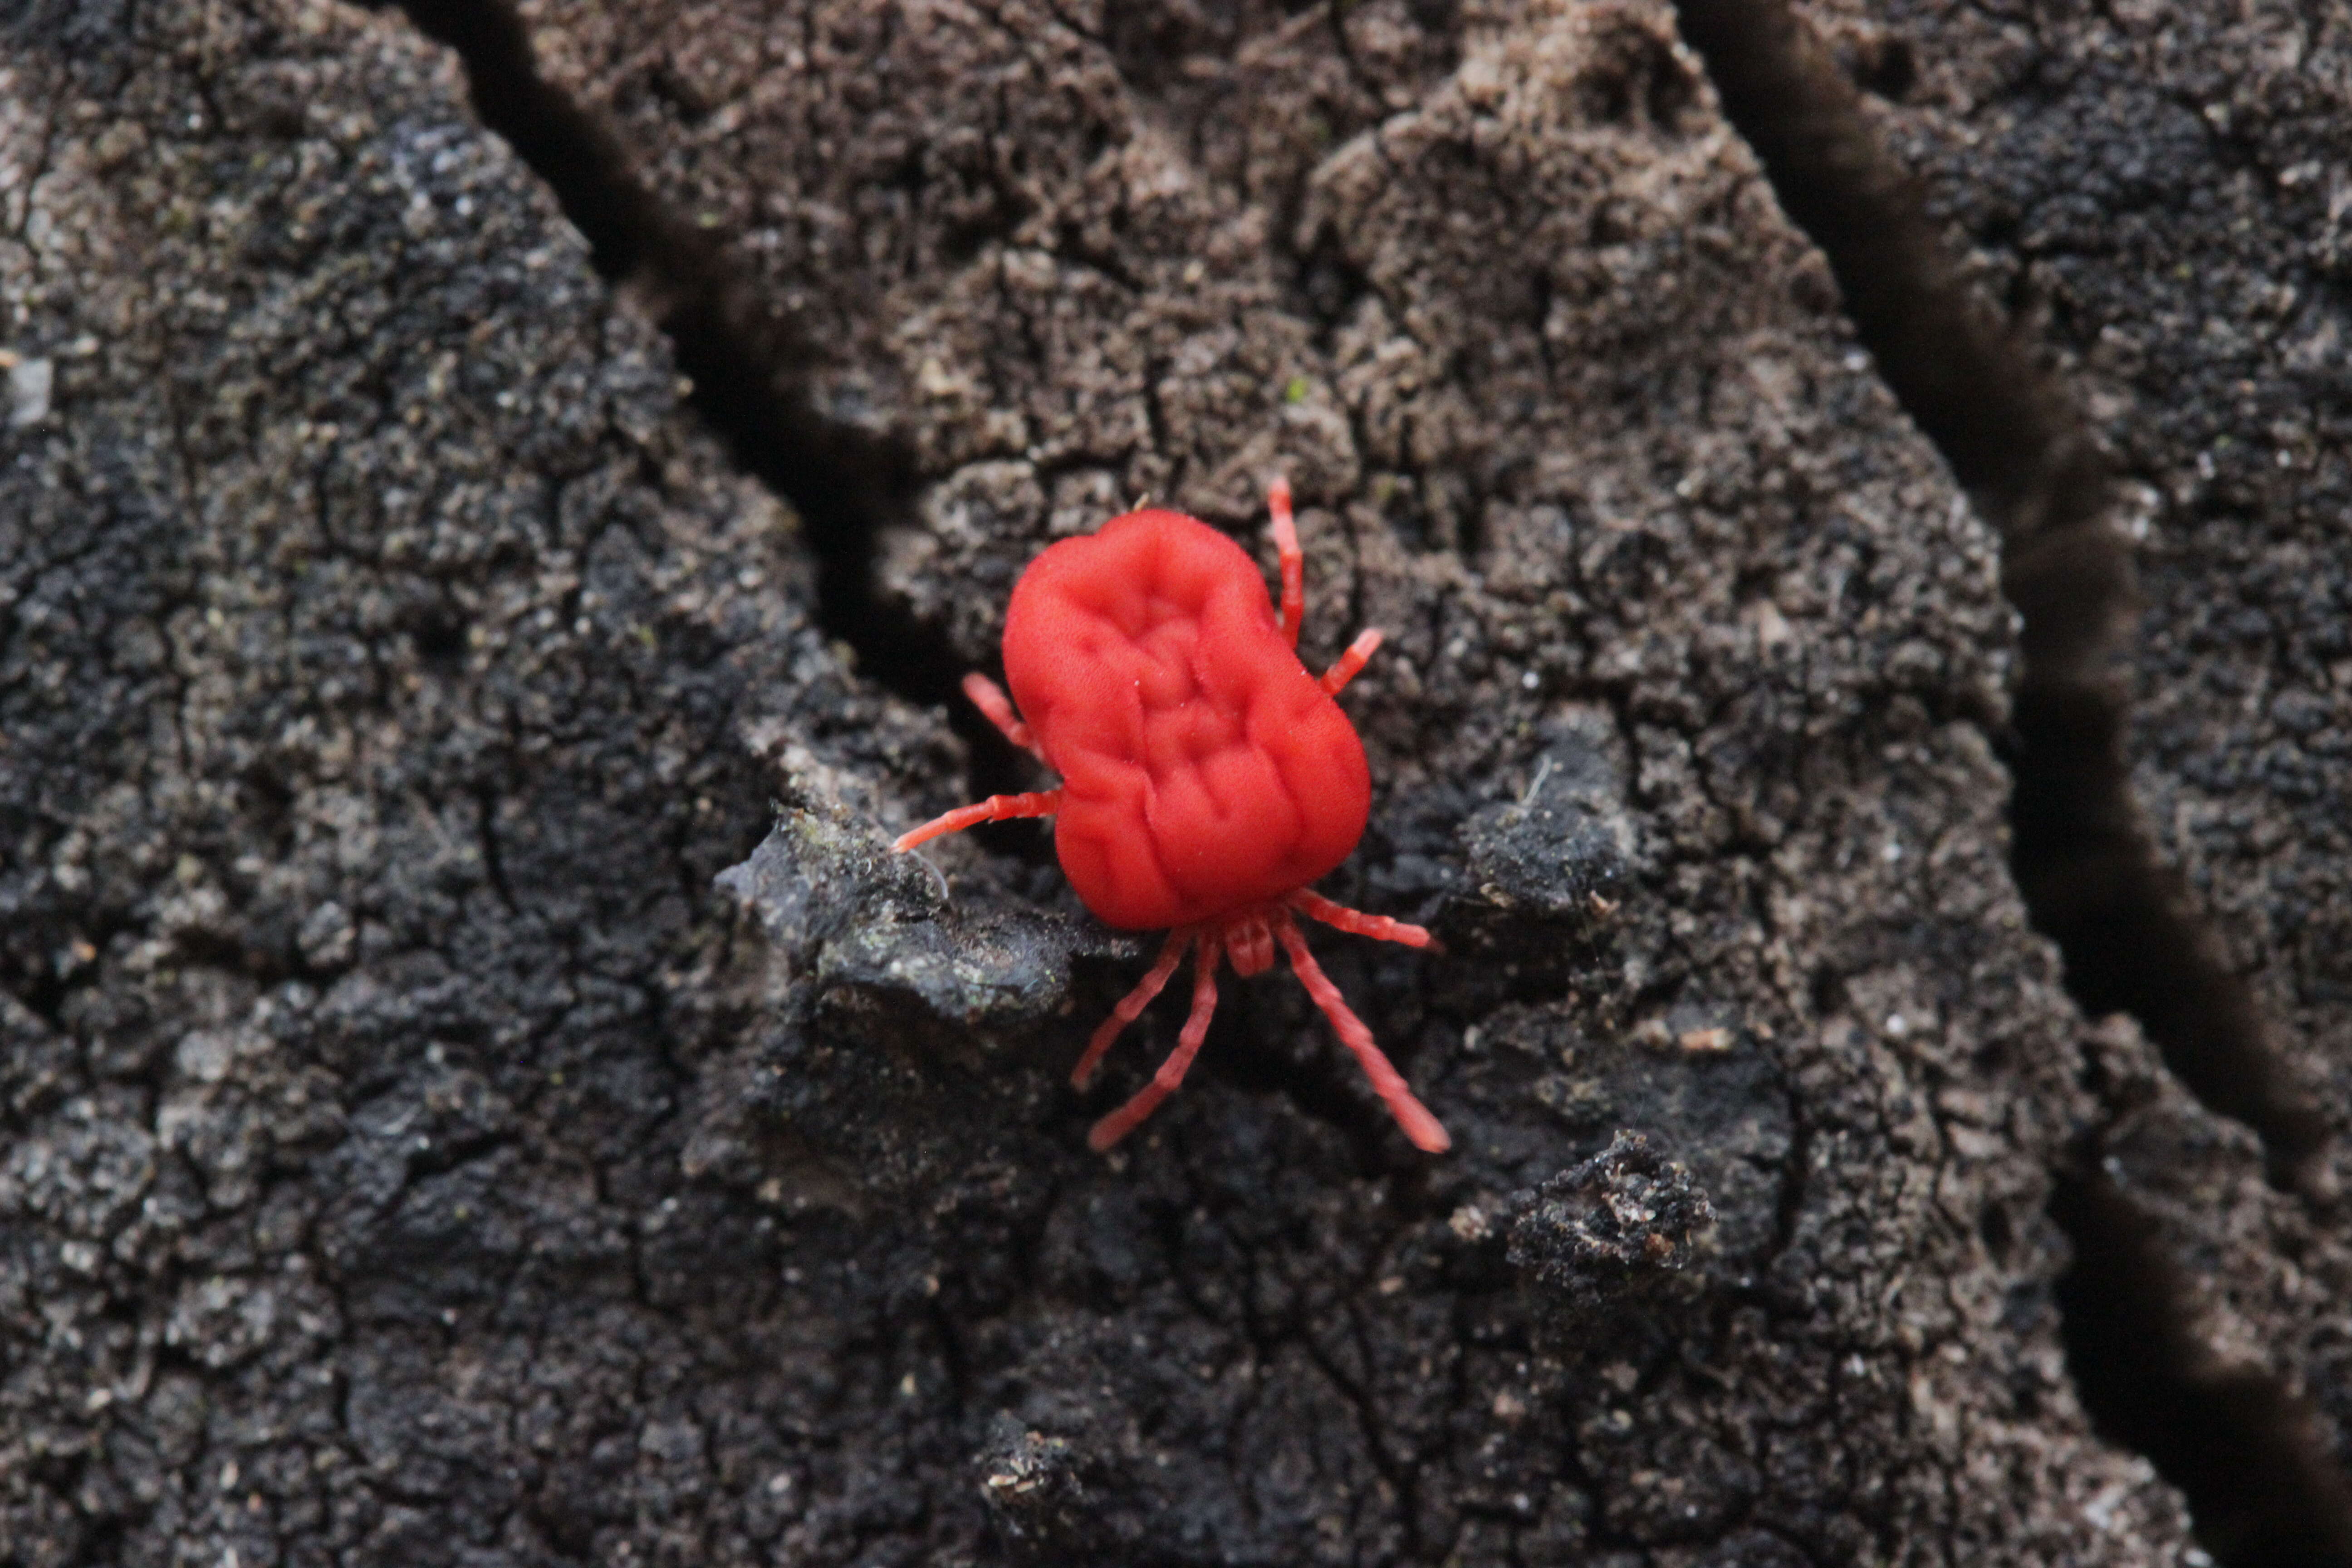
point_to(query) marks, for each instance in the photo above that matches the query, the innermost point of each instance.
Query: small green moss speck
(1295, 393)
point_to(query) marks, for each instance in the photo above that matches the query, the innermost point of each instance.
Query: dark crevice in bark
(751, 373)
(2091, 877)
(2247, 1453)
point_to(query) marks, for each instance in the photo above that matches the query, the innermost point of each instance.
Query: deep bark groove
(746, 367)
(2090, 875)
(2243, 1450)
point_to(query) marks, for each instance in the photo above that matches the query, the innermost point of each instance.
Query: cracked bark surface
(2159, 192)
(442, 1128)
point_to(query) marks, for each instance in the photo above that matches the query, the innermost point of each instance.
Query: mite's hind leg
(1123, 1121)
(1356, 922)
(1345, 668)
(997, 708)
(1131, 1006)
(995, 808)
(1411, 1115)
(1292, 559)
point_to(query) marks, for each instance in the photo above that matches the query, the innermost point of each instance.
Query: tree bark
(493, 507)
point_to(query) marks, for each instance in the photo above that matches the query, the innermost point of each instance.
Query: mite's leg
(1381, 928)
(1411, 1115)
(1293, 559)
(1345, 668)
(995, 808)
(989, 698)
(1123, 1121)
(1132, 1007)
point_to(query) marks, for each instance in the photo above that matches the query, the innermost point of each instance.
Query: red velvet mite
(1206, 776)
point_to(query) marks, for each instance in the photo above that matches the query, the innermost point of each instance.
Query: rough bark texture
(2164, 194)
(477, 1089)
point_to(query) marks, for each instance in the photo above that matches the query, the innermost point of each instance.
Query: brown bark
(450, 1118)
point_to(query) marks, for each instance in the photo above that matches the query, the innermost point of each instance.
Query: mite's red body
(1203, 769)
(1207, 778)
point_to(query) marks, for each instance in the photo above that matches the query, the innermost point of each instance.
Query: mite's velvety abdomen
(1203, 768)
